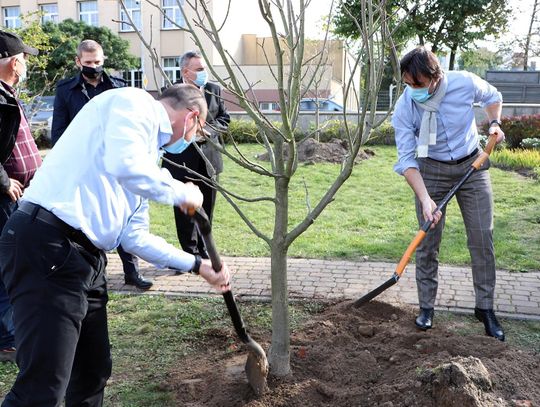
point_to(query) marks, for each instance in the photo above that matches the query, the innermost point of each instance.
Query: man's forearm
(415, 180)
(494, 111)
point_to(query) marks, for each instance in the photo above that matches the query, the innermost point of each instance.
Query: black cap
(11, 44)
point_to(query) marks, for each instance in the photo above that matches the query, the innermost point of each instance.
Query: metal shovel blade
(257, 364)
(257, 368)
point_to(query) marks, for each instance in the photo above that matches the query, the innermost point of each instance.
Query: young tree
(285, 19)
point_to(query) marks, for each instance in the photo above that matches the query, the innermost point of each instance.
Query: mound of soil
(368, 356)
(312, 151)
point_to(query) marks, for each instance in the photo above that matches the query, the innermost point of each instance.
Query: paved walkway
(517, 294)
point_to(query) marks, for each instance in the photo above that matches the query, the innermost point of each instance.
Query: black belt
(459, 161)
(42, 214)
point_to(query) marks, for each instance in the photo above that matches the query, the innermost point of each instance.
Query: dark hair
(184, 96)
(421, 61)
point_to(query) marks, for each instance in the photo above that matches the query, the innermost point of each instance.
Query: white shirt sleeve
(138, 240)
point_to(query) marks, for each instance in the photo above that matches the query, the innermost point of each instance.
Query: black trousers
(7, 331)
(188, 235)
(130, 262)
(59, 294)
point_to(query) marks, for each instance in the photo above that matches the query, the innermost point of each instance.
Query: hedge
(244, 131)
(517, 128)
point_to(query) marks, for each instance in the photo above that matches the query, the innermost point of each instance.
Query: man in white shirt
(52, 250)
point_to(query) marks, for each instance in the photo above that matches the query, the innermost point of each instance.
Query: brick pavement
(517, 294)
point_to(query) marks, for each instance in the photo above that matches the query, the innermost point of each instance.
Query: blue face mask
(420, 94)
(181, 144)
(201, 79)
(178, 146)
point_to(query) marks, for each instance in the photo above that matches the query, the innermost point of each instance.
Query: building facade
(242, 34)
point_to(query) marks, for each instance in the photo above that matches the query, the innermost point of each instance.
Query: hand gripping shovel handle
(421, 234)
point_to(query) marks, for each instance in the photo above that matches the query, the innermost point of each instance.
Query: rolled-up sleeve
(405, 134)
(484, 93)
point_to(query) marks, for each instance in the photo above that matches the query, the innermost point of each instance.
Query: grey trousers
(475, 199)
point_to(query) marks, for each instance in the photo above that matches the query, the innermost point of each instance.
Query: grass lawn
(150, 336)
(372, 215)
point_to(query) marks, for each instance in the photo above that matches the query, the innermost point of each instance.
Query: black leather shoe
(493, 328)
(425, 319)
(138, 281)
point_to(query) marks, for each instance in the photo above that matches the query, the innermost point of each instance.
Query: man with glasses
(52, 249)
(19, 158)
(210, 164)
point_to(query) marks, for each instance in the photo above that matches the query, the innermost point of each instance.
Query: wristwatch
(495, 121)
(196, 265)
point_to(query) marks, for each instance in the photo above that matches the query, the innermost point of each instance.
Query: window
(134, 78)
(134, 11)
(268, 106)
(50, 13)
(12, 17)
(88, 12)
(172, 12)
(171, 66)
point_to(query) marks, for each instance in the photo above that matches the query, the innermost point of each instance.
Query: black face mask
(92, 73)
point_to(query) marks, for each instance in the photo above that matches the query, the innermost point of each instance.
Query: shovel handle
(427, 224)
(201, 218)
(202, 221)
(487, 151)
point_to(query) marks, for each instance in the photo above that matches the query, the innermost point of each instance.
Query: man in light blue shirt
(52, 250)
(437, 141)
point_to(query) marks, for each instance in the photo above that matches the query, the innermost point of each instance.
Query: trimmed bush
(517, 128)
(245, 131)
(383, 135)
(242, 131)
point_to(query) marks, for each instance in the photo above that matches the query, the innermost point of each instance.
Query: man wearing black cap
(19, 159)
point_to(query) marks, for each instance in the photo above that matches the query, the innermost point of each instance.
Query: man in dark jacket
(194, 73)
(19, 159)
(71, 95)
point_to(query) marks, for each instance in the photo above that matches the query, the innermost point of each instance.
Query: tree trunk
(452, 61)
(527, 48)
(279, 353)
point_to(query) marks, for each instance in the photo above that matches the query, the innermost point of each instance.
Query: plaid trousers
(475, 199)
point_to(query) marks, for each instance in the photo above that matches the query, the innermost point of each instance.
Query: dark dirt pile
(312, 151)
(370, 356)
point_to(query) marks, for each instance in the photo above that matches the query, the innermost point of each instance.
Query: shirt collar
(165, 128)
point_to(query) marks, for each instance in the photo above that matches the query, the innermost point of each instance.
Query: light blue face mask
(420, 94)
(181, 144)
(201, 79)
(178, 146)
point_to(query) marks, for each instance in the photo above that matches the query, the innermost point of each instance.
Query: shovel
(400, 268)
(257, 363)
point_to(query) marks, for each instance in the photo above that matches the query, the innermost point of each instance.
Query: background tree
(530, 47)
(480, 60)
(285, 20)
(450, 24)
(58, 48)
